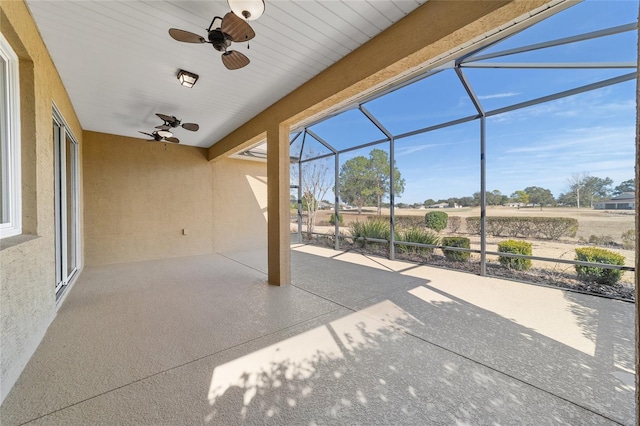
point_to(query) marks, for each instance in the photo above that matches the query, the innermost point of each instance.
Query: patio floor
(354, 340)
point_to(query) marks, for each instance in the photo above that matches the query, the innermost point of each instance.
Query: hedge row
(550, 228)
(401, 220)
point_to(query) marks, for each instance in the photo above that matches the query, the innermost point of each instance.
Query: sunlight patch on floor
(296, 358)
(538, 308)
(355, 258)
(541, 309)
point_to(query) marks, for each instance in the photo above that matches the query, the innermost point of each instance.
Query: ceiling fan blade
(166, 118)
(145, 133)
(233, 60)
(191, 126)
(185, 36)
(236, 28)
(163, 127)
(172, 140)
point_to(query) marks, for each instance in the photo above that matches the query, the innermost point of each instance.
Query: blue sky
(542, 145)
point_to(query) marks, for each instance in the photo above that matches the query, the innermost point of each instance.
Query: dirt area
(599, 223)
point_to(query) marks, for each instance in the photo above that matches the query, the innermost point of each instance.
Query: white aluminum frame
(10, 142)
(61, 136)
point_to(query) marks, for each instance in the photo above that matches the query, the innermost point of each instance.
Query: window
(10, 182)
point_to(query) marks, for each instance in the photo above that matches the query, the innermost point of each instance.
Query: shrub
(602, 240)
(436, 220)
(458, 256)
(629, 239)
(332, 219)
(371, 229)
(401, 221)
(455, 222)
(550, 228)
(473, 225)
(418, 235)
(595, 273)
(515, 247)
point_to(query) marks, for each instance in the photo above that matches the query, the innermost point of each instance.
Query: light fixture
(187, 78)
(164, 133)
(247, 9)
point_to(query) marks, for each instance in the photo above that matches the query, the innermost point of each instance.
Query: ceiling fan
(231, 29)
(156, 136)
(172, 122)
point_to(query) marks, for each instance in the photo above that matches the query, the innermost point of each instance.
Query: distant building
(624, 201)
(438, 206)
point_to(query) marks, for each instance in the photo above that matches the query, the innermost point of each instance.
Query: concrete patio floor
(354, 340)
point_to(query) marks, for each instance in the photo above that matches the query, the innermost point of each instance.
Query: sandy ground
(590, 222)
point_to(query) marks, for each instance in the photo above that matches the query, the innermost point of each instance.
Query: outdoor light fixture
(247, 9)
(187, 78)
(165, 133)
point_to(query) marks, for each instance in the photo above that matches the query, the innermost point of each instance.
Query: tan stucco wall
(140, 195)
(239, 205)
(27, 263)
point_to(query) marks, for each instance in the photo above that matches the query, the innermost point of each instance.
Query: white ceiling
(119, 64)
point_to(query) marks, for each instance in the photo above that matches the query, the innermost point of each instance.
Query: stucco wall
(27, 262)
(239, 205)
(140, 195)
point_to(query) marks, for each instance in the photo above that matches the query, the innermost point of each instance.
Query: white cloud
(499, 95)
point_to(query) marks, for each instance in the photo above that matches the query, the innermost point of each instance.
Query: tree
(585, 189)
(429, 202)
(381, 170)
(367, 180)
(625, 186)
(539, 196)
(596, 189)
(316, 181)
(520, 197)
(576, 184)
(355, 180)
(493, 198)
(465, 201)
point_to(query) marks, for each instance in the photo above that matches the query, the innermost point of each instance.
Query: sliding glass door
(66, 203)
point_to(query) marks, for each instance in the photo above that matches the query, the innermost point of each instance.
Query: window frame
(10, 142)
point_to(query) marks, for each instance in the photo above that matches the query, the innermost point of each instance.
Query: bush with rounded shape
(332, 219)
(595, 273)
(515, 247)
(436, 220)
(458, 256)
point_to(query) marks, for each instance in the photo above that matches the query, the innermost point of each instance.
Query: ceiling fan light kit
(231, 29)
(247, 9)
(187, 79)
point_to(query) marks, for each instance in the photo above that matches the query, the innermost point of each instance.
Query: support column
(638, 246)
(483, 197)
(278, 228)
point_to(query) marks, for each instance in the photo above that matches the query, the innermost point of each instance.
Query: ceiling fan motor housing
(219, 40)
